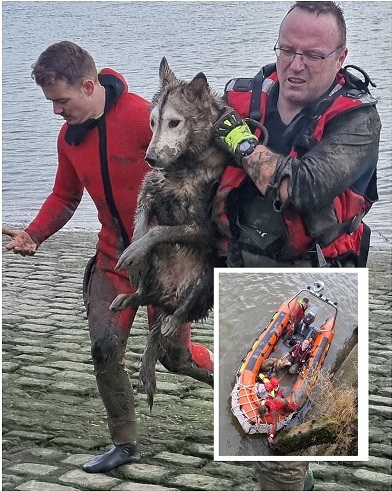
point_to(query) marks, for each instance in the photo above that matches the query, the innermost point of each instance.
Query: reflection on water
(247, 301)
(225, 40)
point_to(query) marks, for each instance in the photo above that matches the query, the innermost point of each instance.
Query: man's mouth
(295, 81)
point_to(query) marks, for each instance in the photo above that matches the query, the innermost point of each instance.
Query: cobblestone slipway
(53, 418)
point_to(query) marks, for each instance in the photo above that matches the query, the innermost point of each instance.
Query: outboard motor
(308, 319)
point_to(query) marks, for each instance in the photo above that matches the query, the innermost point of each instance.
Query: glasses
(306, 58)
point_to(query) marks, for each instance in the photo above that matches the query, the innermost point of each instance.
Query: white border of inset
(363, 366)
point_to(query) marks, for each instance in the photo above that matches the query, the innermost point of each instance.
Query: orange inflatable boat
(296, 387)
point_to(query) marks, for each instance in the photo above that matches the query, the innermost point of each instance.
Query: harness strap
(254, 107)
(347, 227)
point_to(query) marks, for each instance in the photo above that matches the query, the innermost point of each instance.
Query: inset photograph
(288, 346)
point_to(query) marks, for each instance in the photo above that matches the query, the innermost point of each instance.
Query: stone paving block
(43, 486)
(31, 358)
(37, 370)
(200, 450)
(32, 350)
(168, 387)
(72, 388)
(70, 365)
(77, 442)
(385, 412)
(78, 459)
(29, 340)
(87, 379)
(137, 486)
(91, 482)
(377, 480)
(31, 382)
(232, 470)
(333, 486)
(9, 366)
(82, 357)
(30, 435)
(179, 459)
(32, 470)
(42, 453)
(64, 346)
(147, 473)
(199, 482)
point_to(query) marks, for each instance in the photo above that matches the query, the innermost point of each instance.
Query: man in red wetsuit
(273, 407)
(101, 148)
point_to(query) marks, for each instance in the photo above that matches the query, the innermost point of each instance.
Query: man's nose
(57, 109)
(297, 62)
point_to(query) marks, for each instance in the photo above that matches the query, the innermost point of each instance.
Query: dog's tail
(152, 353)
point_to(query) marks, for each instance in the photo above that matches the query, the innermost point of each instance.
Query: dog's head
(182, 117)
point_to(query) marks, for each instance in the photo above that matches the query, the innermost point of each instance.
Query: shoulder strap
(258, 79)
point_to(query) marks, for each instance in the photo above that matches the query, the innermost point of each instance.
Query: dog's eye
(152, 123)
(173, 123)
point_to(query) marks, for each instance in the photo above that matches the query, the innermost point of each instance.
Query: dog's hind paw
(169, 328)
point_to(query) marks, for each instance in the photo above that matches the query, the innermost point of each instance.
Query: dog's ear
(199, 85)
(166, 75)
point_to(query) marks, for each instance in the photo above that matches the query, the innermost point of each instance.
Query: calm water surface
(224, 39)
(247, 301)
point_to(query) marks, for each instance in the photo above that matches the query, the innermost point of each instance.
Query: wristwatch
(245, 148)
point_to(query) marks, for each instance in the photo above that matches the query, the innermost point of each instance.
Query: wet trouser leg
(281, 476)
(109, 334)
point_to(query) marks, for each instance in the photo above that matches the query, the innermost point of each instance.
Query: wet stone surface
(54, 420)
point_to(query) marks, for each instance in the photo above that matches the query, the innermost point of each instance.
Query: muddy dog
(172, 254)
(272, 366)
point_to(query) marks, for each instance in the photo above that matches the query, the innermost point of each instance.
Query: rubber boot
(118, 455)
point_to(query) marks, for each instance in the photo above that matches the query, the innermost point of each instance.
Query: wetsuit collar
(114, 87)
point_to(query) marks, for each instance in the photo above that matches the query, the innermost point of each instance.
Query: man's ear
(88, 86)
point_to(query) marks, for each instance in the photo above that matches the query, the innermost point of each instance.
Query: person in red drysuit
(273, 407)
(101, 149)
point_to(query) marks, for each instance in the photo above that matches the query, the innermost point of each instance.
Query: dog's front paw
(124, 300)
(120, 302)
(169, 328)
(133, 254)
(127, 257)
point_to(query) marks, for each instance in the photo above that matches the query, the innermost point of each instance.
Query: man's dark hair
(321, 8)
(63, 61)
(262, 410)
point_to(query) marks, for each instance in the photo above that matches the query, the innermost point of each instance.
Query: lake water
(247, 302)
(224, 39)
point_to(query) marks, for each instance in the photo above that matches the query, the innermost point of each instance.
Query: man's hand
(271, 439)
(21, 242)
(232, 134)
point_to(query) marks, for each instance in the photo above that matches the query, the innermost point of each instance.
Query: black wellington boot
(118, 455)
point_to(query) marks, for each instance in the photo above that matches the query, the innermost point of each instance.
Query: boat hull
(244, 398)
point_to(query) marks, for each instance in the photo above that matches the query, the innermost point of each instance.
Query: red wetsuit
(106, 157)
(275, 406)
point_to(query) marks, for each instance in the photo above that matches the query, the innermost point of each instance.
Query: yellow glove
(232, 134)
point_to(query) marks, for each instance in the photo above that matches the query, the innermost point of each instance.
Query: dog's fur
(171, 258)
(272, 366)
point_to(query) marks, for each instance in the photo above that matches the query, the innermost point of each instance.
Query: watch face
(245, 146)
